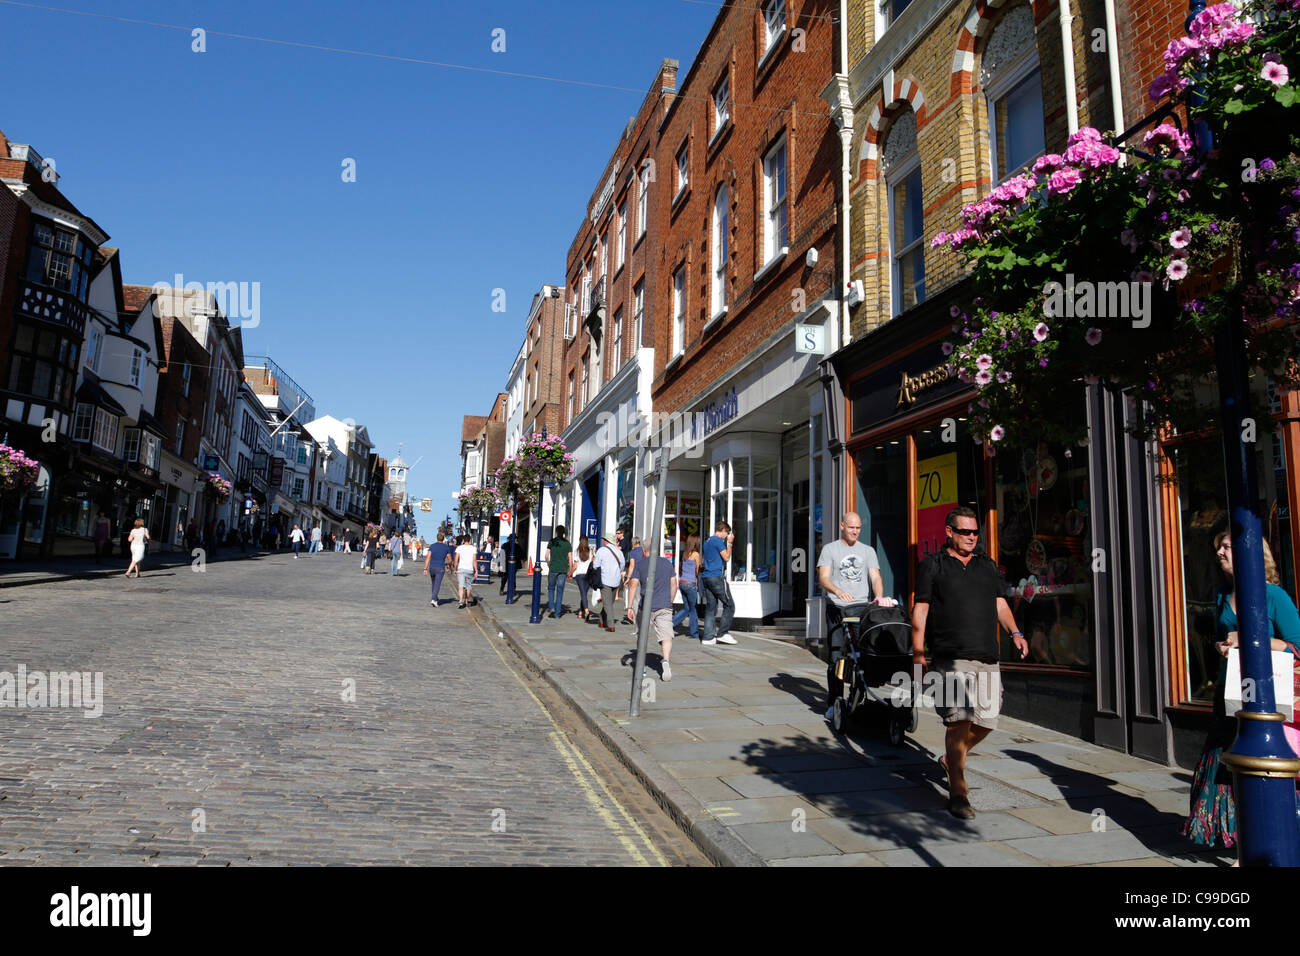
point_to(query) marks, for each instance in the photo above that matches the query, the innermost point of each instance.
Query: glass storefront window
(1044, 545)
(882, 506)
(1200, 483)
(626, 496)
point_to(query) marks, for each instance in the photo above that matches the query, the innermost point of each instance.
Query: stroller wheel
(898, 724)
(839, 715)
(916, 719)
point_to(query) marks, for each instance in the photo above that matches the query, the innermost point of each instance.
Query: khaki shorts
(970, 690)
(661, 623)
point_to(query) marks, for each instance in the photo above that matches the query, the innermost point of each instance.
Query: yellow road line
(573, 758)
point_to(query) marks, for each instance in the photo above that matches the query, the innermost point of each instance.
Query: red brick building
(608, 324)
(748, 162)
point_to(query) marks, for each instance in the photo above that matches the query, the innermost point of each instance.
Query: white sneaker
(433, 604)
(726, 639)
(666, 671)
(711, 640)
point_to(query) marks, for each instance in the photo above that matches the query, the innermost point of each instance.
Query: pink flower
(1184, 195)
(984, 362)
(940, 239)
(1040, 331)
(1048, 163)
(1062, 181)
(1144, 275)
(947, 348)
(954, 311)
(1180, 238)
(997, 433)
(1092, 336)
(983, 377)
(1177, 269)
(1004, 377)
(1166, 136)
(1129, 238)
(1275, 73)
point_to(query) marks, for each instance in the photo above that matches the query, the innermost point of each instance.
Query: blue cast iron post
(1262, 764)
(536, 616)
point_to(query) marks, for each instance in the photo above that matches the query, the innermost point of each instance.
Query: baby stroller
(877, 649)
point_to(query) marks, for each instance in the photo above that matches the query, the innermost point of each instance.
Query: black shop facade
(1068, 525)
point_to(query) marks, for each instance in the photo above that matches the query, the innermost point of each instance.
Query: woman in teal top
(1213, 817)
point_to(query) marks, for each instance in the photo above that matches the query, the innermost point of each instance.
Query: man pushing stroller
(849, 573)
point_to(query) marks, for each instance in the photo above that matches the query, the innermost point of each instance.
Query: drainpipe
(1112, 60)
(1067, 57)
(844, 120)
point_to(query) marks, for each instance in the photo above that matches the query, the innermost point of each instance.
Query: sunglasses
(963, 531)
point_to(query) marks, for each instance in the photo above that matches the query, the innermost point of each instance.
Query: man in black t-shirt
(960, 600)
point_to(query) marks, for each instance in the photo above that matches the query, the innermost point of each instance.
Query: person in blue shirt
(435, 564)
(713, 582)
(1213, 815)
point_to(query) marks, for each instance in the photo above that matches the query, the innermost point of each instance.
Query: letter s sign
(810, 338)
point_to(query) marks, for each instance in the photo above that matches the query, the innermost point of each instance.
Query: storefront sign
(210, 463)
(918, 379)
(913, 385)
(715, 414)
(810, 338)
(277, 472)
(936, 495)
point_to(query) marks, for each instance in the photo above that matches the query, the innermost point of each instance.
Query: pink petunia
(984, 362)
(997, 433)
(1092, 336)
(1180, 238)
(1048, 163)
(1040, 331)
(947, 348)
(1276, 73)
(1177, 270)
(983, 377)
(1004, 377)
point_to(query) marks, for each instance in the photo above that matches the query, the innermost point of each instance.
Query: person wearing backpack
(607, 566)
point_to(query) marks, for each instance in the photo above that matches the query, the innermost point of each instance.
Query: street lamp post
(536, 616)
(510, 552)
(1262, 764)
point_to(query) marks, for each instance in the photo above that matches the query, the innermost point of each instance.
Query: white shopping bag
(593, 597)
(1283, 684)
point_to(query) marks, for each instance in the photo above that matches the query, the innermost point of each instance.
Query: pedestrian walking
(372, 553)
(437, 559)
(296, 538)
(315, 540)
(659, 605)
(849, 573)
(609, 561)
(463, 566)
(559, 563)
(1212, 819)
(688, 582)
(394, 555)
(713, 582)
(579, 575)
(631, 582)
(191, 536)
(102, 536)
(136, 539)
(959, 604)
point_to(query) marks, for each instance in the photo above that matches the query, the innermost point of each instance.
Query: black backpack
(593, 572)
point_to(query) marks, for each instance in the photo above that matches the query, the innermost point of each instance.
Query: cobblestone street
(229, 734)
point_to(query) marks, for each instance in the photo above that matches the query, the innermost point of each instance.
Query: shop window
(882, 503)
(746, 496)
(1045, 549)
(1198, 480)
(626, 496)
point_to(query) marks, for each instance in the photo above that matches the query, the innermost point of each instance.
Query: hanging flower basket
(1095, 270)
(540, 459)
(217, 485)
(18, 473)
(475, 501)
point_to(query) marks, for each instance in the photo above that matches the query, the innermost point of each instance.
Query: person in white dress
(136, 539)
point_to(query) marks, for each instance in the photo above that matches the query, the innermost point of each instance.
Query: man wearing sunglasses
(960, 601)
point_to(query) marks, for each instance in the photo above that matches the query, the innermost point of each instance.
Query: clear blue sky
(226, 166)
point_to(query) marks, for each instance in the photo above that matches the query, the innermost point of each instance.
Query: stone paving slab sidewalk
(736, 748)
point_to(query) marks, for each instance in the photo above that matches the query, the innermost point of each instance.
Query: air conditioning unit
(856, 293)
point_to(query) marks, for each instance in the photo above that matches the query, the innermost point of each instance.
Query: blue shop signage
(714, 415)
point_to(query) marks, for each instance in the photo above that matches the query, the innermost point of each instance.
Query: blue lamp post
(1262, 764)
